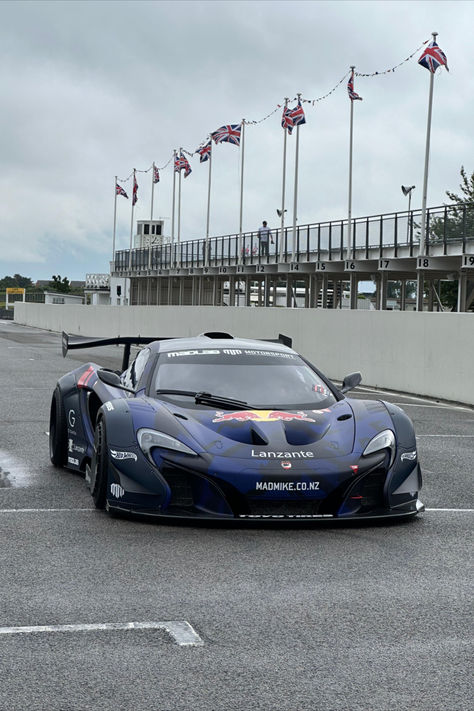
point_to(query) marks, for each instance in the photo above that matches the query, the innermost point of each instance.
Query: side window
(132, 376)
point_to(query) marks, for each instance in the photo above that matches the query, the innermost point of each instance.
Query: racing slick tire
(99, 466)
(57, 430)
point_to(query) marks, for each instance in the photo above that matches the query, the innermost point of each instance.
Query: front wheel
(99, 467)
(57, 430)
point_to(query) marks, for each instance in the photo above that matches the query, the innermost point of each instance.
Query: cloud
(92, 90)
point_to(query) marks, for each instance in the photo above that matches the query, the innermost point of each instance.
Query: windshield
(264, 379)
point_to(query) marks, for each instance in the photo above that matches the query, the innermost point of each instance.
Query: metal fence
(316, 241)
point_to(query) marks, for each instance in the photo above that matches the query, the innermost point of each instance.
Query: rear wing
(72, 342)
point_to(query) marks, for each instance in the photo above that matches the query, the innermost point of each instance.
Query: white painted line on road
(446, 406)
(43, 510)
(181, 631)
(444, 435)
(453, 510)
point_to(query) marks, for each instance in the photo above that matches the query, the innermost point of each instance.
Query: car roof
(208, 342)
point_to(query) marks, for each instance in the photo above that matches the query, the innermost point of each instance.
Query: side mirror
(351, 381)
(110, 378)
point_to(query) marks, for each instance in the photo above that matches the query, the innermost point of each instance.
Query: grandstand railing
(447, 225)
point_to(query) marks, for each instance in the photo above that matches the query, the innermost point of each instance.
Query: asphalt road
(369, 617)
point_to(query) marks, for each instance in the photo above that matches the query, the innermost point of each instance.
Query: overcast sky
(94, 89)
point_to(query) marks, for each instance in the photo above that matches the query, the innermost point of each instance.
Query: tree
(58, 284)
(467, 187)
(458, 221)
(15, 280)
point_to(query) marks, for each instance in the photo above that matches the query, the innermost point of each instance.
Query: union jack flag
(135, 191)
(297, 115)
(120, 191)
(181, 163)
(156, 175)
(287, 120)
(433, 57)
(186, 166)
(204, 151)
(230, 133)
(350, 88)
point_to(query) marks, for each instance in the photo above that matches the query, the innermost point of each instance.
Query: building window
(147, 229)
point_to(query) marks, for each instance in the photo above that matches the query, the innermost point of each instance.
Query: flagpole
(179, 213)
(115, 219)
(427, 158)
(295, 197)
(349, 207)
(131, 223)
(242, 146)
(151, 211)
(283, 185)
(206, 250)
(174, 200)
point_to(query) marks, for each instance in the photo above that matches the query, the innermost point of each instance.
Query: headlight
(383, 440)
(147, 439)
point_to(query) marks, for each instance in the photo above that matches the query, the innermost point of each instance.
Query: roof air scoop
(216, 334)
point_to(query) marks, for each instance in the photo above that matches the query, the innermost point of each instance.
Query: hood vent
(299, 433)
(246, 433)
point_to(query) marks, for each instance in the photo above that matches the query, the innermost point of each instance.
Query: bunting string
(279, 106)
(265, 117)
(392, 69)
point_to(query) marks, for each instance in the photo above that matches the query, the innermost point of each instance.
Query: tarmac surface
(318, 618)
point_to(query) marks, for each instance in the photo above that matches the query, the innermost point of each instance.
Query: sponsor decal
(287, 486)
(261, 416)
(177, 354)
(71, 418)
(75, 447)
(116, 454)
(232, 351)
(73, 460)
(85, 377)
(271, 354)
(355, 468)
(283, 455)
(117, 491)
(109, 406)
(286, 516)
(410, 456)
(286, 465)
(320, 389)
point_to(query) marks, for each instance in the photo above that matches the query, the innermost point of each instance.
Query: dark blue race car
(216, 427)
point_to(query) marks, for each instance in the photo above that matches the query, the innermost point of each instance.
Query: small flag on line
(156, 175)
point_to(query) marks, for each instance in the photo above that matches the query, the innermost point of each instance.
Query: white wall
(423, 353)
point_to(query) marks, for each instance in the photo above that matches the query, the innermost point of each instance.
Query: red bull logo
(261, 416)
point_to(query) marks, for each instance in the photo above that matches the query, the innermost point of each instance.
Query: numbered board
(467, 261)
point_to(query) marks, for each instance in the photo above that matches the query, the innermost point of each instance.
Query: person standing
(264, 235)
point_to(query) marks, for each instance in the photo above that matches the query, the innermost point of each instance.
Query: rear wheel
(99, 466)
(57, 430)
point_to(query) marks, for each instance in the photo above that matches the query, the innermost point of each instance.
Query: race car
(221, 428)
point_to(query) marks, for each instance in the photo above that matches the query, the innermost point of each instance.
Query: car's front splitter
(198, 516)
